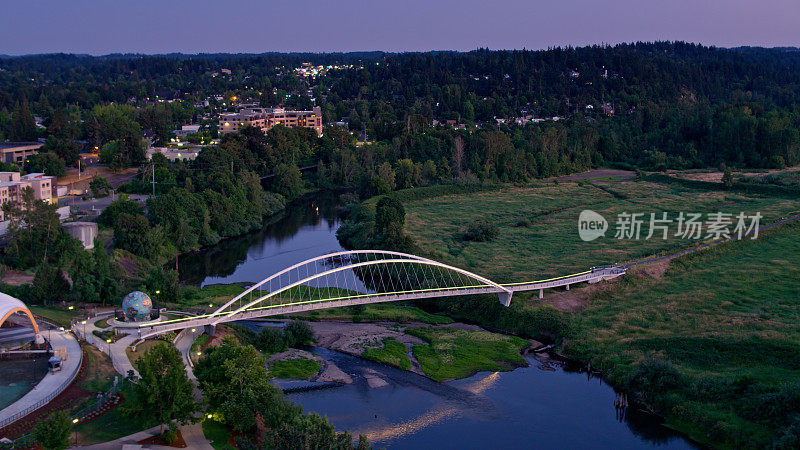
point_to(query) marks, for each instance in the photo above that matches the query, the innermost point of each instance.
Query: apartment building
(12, 184)
(266, 118)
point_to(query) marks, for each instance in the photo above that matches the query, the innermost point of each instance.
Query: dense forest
(650, 105)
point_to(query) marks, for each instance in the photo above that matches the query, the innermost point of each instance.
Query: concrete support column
(541, 293)
(209, 329)
(505, 298)
(567, 287)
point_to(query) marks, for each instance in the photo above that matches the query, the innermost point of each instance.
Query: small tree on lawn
(100, 186)
(53, 432)
(163, 390)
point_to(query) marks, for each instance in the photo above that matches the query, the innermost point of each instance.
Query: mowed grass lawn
(550, 246)
(728, 320)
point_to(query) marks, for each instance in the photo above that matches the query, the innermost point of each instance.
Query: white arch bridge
(360, 277)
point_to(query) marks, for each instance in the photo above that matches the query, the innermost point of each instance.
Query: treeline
(675, 105)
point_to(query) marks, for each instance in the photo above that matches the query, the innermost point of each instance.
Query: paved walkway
(184, 343)
(115, 350)
(118, 356)
(53, 383)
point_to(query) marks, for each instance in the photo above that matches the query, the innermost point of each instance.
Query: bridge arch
(10, 305)
(357, 259)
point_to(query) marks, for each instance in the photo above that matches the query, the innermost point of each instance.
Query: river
(539, 406)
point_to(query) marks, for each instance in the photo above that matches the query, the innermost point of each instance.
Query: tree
(66, 149)
(53, 432)
(236, 386)
(49, 286)
(48, 163)
(163, 391)
(23, 126)
(390, 217)
(100, 186)
(113, 122)
(134, 234)
(309, 431)
(35, 233)
(122, 205)
(727, 178)
(407, 174)
(288, 181)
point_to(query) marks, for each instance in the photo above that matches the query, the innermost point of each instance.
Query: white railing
(46, 400)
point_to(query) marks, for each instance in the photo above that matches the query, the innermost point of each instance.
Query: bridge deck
(591, 276)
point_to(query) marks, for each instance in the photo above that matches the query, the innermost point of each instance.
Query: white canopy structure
(10, 305)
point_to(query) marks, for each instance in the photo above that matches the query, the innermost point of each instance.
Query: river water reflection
(525, 408)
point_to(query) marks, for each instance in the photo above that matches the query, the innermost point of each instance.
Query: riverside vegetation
(711, 343)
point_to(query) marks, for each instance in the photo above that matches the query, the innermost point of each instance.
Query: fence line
(47, 399)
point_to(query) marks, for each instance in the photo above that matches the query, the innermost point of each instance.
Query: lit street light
(74, 422)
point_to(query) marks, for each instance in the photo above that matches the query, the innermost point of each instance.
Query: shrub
(480, 231)
(270, 340)
(522, 223)
(53, 432)
(653, 376)
(298, 332)
(169, 436)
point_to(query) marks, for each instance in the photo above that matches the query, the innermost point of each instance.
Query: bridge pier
(209, 329)
(541, 293)
(567, 287)
(505, 298)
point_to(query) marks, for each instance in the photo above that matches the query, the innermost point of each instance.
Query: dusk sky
(147, 26)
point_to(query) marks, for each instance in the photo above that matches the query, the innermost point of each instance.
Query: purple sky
(148, 26)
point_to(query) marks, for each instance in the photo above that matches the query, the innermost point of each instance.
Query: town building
(12, 184)
(266, 118)
(16, 152)
(186, 130)
(173, 153)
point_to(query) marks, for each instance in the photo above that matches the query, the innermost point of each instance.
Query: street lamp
(75, 422)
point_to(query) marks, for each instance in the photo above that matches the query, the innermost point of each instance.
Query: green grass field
(100, 372)
(727, 320)
(713, 343)
(550, 246)
(452, 353)
(294, 369)
(392, 353)
(59, 316)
